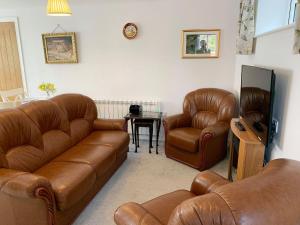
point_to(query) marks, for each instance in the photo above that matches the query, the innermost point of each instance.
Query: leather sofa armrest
(207, 181)
(30, 195)
(23, 185)
(110, 124)
(134, 214)
(177, 121)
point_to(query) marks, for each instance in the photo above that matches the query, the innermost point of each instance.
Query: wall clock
(130, 31)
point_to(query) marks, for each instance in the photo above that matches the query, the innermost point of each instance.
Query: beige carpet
(141, 177)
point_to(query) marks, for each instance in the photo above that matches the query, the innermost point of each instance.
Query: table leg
(137, 138)
(151, 134)
(158, 125)
(150, 137)
(135, 134)
(230, 157)
(132, 131)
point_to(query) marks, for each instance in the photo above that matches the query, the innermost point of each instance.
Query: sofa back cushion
(21, 145)
(53, 125)
(81, 112)
(208, 106)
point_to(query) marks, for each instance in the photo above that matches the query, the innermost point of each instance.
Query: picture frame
(200, 43)
(60, 48)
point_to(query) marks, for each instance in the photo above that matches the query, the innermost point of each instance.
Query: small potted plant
(49, 88)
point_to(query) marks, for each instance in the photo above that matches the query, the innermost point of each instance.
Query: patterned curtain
(246, 27)
(297, 30)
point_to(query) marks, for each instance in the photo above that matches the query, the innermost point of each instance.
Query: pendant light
(58, 8)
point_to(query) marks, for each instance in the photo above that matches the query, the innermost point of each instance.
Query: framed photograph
(201, 43)
(60, 48)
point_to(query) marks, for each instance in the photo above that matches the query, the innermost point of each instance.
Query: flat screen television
(256, 101)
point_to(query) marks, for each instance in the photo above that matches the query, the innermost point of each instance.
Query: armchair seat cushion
(70, 181)
(163, 206)
(118, 140)
(186, 139)
(100, 157)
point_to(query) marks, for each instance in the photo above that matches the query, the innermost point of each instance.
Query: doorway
(12, 74)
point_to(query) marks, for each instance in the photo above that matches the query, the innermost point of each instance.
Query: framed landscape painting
(60, 48)
(201, 43)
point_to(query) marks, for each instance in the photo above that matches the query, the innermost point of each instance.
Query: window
(272, 14)
(292, 12)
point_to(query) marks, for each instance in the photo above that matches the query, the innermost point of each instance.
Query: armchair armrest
(110, 124)
(134, 214)
(206, 182)
(213, 144)
(28, 194)
(176, 121)
(215, 130)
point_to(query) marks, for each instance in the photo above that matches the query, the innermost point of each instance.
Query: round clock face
(130, 30)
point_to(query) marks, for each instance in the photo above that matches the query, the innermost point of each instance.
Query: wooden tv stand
(250, 153)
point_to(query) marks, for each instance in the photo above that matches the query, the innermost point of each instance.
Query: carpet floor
(142, 177)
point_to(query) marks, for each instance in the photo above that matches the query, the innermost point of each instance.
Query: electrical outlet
(275, 126)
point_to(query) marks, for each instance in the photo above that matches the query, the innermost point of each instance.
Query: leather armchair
(270, 197)
(157, 211)
(198, 136)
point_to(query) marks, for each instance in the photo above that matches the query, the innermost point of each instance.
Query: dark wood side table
(146, 116)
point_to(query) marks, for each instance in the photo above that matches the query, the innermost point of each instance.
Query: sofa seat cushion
(70, 181)
(185, 138)
(118, 140)
(100, 157)
(163, 206)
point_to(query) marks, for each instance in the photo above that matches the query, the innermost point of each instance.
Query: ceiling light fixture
(58, 8)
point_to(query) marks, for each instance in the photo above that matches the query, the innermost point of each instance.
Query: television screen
(256, 102)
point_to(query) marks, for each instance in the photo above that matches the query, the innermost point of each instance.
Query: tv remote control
(240, 126)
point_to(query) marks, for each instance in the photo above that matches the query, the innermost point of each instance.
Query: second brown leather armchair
(198, 136)
(269, 198)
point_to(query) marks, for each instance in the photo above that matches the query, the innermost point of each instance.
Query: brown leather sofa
(269, 198)
(55, 155)
(198, 136)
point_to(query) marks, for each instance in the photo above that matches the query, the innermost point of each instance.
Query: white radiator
(117, 109)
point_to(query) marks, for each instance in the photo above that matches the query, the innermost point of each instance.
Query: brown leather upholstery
(53, 125)
(70, 181)
(186, 138)
(21, 145)
(119, 140)
(99, 157)
(168, 203)
(113, 124)
(81, 112)
(270, 197)
(55, 155)
(198, 136)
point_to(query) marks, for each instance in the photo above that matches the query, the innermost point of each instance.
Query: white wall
(275, 51)
(112, 67)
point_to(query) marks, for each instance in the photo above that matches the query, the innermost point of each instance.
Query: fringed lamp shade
(58, 8)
